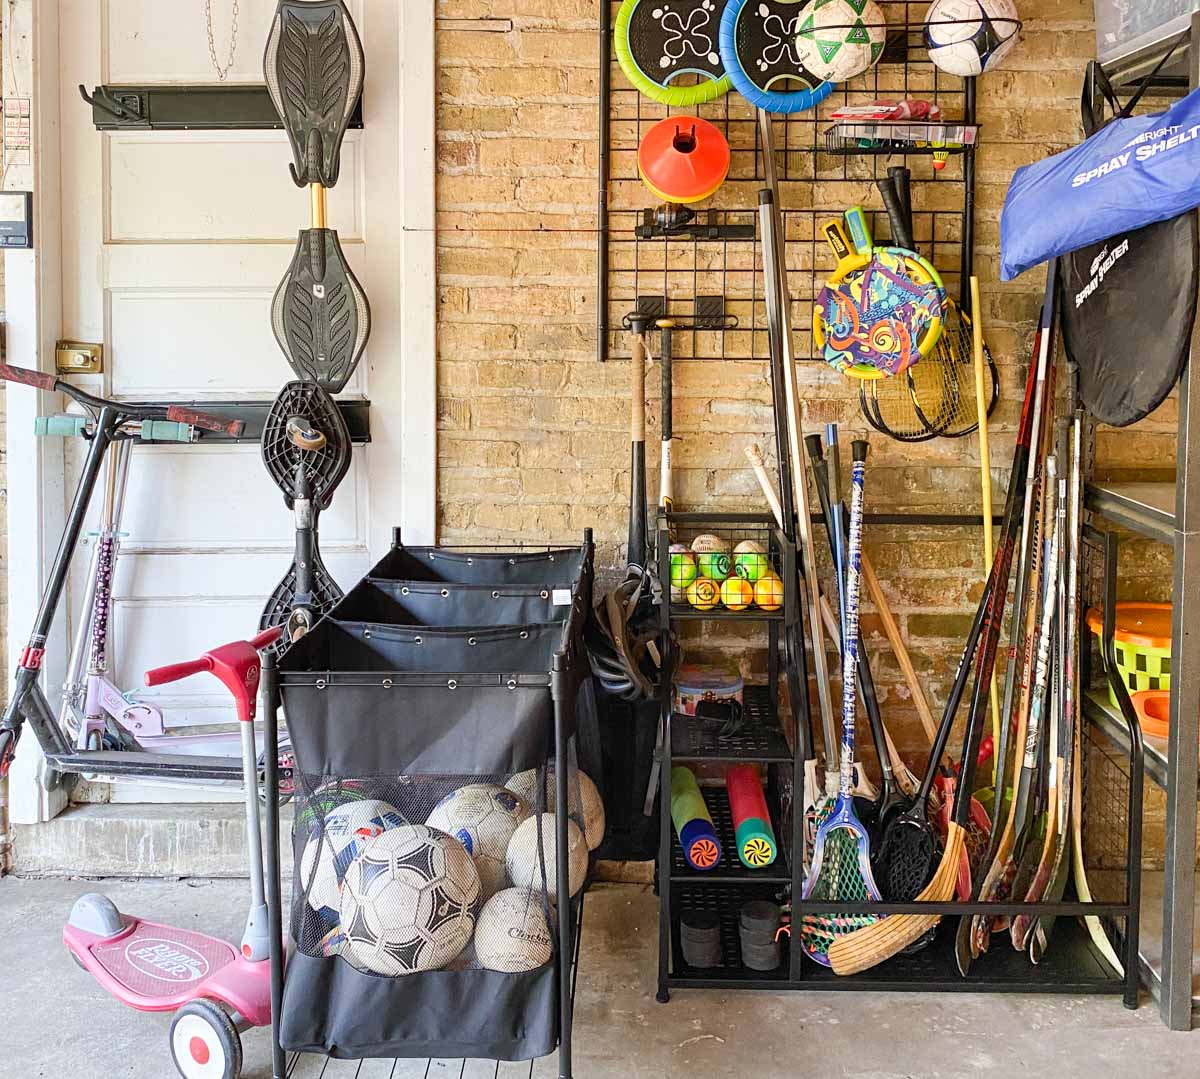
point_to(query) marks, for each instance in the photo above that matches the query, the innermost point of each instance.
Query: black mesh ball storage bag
(426, 895)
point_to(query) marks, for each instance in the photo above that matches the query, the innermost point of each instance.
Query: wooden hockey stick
(1056, 747)
(1039, 940)
(985, 483)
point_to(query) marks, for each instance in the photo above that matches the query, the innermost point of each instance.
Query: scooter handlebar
(181, 414)
(267, 638)
(173, 672)
(39, 379)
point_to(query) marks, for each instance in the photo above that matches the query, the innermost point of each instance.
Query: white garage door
(172, 246)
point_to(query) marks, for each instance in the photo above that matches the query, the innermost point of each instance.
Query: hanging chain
(222, 72)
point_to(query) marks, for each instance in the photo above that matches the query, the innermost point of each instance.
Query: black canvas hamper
(389, 725)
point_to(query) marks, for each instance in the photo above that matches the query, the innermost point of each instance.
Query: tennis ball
(708, 543)
(715, 565)
(750, 560)
(737, 594)
(704, 594)
(768, 592)
(683, 566)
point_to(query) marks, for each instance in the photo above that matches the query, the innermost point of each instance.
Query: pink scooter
(215, 989)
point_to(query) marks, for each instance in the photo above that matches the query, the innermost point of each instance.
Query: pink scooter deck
(157, 968)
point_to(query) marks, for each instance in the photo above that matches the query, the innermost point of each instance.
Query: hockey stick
(874, 944)
(1069, 736)
(1044, 348)
(985, 482)
(841, 865)
(998, 884)
(1056, 743)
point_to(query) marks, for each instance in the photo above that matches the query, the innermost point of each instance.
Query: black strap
(1095, 81)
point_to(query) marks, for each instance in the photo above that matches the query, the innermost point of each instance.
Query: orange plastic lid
(1147, 625)
(683, 158)
(1153, 707)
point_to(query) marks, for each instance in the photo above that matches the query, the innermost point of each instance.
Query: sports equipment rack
(705, 272)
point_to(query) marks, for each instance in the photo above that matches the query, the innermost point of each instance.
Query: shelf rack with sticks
(705, 273)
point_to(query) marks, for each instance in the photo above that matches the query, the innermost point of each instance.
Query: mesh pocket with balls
(730, 567)
(398, 875)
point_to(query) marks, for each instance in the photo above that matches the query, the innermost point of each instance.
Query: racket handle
(835, 236)
(901, 177)
(860, 232)
(858, 450)
(895, 211)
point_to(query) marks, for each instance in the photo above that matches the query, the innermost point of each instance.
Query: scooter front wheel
(205, 1043)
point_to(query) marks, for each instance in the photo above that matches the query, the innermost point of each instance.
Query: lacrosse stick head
(841, 873)
(314, 70)
(907, 858)
(305, 444)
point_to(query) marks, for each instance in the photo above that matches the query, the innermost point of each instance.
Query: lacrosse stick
(841, 865)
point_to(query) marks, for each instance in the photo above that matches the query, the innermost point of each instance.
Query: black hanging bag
(1129, 303)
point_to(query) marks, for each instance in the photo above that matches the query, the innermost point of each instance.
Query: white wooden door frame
(33, 291)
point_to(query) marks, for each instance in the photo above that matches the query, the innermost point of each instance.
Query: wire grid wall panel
(714, 286)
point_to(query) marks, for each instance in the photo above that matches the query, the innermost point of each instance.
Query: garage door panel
(151, 41)
(206, 187)
(176, 343)
(217, 498)
(168, 575)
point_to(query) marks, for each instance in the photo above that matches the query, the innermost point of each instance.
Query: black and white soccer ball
(966, 37)
(483, 817)
(409, 901)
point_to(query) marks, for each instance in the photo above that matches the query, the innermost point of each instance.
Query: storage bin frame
(563, 681)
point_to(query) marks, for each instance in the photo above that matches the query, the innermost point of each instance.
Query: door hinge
(78, 358)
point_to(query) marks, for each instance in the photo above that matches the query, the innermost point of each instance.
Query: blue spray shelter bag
(1134, 171)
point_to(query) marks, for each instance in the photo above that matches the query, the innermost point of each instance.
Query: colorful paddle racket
(886, 317)
(852, 262)
(758, 48)
(659, 46)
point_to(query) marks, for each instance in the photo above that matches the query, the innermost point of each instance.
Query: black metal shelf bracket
(187, 108)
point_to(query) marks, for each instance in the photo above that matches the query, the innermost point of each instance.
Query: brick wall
(533, 433)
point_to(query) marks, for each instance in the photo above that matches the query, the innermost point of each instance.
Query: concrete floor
(57, 1023)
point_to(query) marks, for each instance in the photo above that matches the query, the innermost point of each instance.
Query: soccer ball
(483, 817)
(511, 934)
(966, 37)
(332, 847)
(524, 859)
(409, 901)
(839, 39)
(591, 805)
